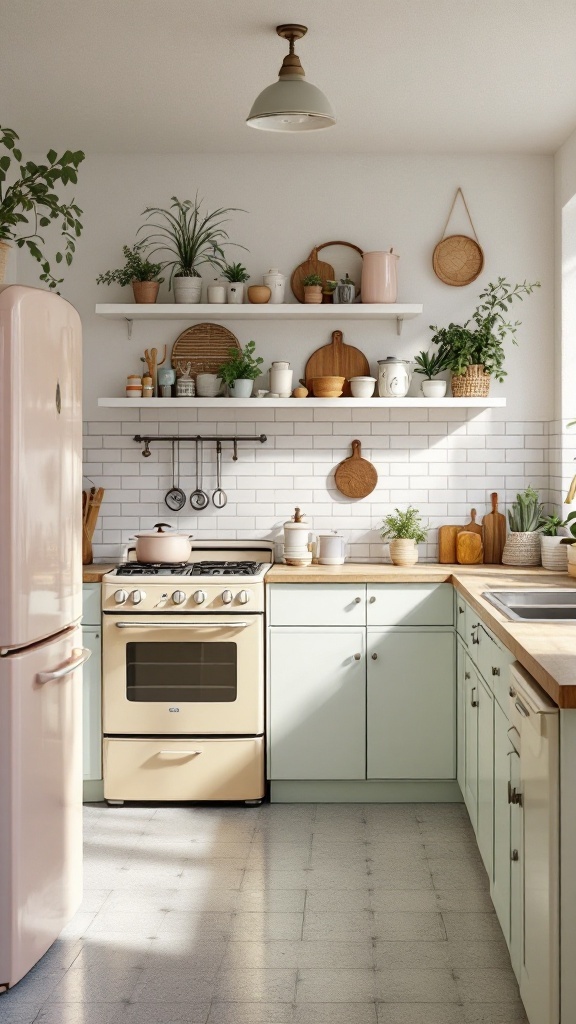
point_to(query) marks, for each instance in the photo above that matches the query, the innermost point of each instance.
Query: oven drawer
(176, 769)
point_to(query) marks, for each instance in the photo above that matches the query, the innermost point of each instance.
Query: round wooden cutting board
(356, 477)
(336, 360)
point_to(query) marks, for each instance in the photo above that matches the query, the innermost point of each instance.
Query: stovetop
(204, 568)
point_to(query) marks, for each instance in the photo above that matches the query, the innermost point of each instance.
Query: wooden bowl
(328, 387)
(259, 293)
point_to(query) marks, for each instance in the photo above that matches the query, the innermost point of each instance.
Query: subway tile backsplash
(444, 461)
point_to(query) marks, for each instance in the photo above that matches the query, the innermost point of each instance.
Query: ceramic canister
(331, 549)
(276, 282)
(281, 379)
(379, 277)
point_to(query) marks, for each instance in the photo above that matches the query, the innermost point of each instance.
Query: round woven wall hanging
(458, 259)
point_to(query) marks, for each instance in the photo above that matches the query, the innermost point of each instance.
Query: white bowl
(362, 387)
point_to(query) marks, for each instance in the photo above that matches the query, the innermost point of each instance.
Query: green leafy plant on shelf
(235, 272)
(136, 268)
(429, 365)
(526, 513)
(311, 280)
(32, 199)
(241, 365)
(480, 340)
(404, 525)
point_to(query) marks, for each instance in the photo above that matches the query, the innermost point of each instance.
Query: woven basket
(4, 256)
(473, 383)
(522, 549)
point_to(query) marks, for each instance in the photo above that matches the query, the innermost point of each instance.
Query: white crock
(163, 544)
(187, 289)
(235, 292)
(394, 377)
(276, 282)
(554, 553)
(331, 549)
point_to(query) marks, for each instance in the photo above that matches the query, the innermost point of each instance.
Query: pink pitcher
(379, 277)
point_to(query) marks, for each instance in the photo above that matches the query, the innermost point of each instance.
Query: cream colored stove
(183, 669)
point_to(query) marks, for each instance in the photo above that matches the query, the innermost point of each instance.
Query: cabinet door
(461, 617)
(317, 604)
(516, 871)
(471, 684)
(317, 699)
(91, 604)
(460, 715)
(411, 705)
(500, 889)
(485, 829)
(92, 705)
(410, 604)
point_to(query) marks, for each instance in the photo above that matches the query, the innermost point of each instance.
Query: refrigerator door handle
(80, 655)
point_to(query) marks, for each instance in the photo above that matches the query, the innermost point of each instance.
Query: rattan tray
(204, 346)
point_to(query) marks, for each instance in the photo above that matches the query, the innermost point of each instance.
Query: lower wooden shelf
(304, 403)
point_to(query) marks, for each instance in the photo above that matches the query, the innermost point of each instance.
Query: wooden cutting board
(356, 477)
(336, 360)
(493, 533)
(469, 549)
(473, 526)
(447, 544)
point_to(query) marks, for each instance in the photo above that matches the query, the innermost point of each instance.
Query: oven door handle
(181, 753)
(180, 625)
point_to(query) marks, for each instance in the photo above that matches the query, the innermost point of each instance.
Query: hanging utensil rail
(147, 439)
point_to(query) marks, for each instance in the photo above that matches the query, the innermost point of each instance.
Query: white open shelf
(304, 403)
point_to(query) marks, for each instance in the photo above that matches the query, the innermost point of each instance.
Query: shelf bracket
(130, 324)
(399, 324)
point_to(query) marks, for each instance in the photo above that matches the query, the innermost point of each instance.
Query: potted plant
(525, 520)
(312, 285)
(404, 530)
(474, 351)
(191, 239)
(240, 370)
(556, 534)
(137, 271)
(32, 195)
(429, 366)
(236, 275)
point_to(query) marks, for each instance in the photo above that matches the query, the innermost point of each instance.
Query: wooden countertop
(546, 650)
(94, 573)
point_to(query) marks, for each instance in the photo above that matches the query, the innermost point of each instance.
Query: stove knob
(244, 596)
(199, 596)
(120, 596)
(138, 596)
(178, 597)
(226, 597)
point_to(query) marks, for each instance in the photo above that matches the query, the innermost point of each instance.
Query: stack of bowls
(328, 387)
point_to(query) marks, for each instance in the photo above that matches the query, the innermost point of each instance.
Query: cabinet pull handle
(473, 702)
(460, 610)
(513, 796)
(514, 855)
(511, 691)
(466, 675)
(372, 600)
(357, 657)
(374, 657)
(357, 600)
(520, 707)
(495, 671)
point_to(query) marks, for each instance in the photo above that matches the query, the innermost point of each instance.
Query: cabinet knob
(357, 600)
(514, 855)
(513, 796)
(466, 675)
(495, 671)
(460, 610)
(473, 702)
(372, 600)
(357, 657)
(374, 656)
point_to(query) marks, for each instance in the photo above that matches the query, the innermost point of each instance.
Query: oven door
(186, 674)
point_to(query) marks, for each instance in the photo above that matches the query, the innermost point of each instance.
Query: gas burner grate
(189, 569)
(151, 568)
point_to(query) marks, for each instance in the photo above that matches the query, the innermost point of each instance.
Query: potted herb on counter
(474, 351)
(430, 366)
(403, 530)
(236, 275)
(556, 534)
(137, 271)
(312, 285)
(525, 521)
(241, 370)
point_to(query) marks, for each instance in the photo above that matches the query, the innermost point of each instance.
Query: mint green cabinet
(500, 889)
(485, 813)
(470, 718)
(460, 715)
(92, 689)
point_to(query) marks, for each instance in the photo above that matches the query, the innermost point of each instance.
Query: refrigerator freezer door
(40, 799)
(40, 465)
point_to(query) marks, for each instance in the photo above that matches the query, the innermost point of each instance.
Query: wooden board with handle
(447, 544)
(355, 477)
(91, 501)
(469, 549)
(473, 526)
(336, 360)
(493, 533)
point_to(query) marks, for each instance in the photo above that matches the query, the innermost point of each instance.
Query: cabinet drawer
(167, 769)
(317, 604)
(494, 663)
(410, 604)
(91, 604)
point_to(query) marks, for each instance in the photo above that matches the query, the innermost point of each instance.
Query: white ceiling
(180, 75)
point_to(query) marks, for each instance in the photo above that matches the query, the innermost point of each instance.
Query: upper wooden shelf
(303, 403)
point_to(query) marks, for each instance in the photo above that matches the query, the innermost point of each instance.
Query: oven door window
(196, 672)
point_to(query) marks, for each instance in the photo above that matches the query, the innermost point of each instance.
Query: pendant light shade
(292, 104)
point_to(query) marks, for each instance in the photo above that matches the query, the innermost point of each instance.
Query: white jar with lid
(276, 282)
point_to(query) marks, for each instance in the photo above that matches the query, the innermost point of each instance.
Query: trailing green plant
(525, 515)
(311, 279)
(32, 195)
(136, 268)
(429, 365)
(241, 365)
(189, 237)
(404, 525)
(235, 272)
(480, 341)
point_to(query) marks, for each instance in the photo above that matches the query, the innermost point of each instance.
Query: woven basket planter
(554, 553)
(522, 549)
(4, 256)
(473, 383)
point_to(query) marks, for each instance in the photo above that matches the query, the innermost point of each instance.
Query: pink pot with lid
(379, 276)
(163, 544)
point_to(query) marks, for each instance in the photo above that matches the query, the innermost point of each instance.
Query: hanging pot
(159, 546)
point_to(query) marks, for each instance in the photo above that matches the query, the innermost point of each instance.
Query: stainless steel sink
(534, 605)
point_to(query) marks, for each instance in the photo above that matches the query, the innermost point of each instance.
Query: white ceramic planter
(216, 293)
(403, 552)
(522, 549)
(433, 388)
(554, 553)
(362, 387)
(187, 289)
(241, 388)
(235, 292)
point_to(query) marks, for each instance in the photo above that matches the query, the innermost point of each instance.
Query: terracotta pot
(259, 293)
(313, 293)
(403, 552)
(145, 291)
(4, 257)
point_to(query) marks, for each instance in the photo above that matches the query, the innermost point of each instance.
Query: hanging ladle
(199, 499)
(219, 497)
(175, 497)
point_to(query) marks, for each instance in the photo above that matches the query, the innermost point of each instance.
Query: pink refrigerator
(40, 639)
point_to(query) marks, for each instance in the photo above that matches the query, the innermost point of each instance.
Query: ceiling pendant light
(291, 104)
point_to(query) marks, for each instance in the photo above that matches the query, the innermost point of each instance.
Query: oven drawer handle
(182, 753)
(181, 625)
(80, 656)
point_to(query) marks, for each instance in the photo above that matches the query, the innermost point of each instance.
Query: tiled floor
(285, 914)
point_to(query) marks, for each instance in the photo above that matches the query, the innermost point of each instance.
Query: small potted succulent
(430, 366)
(312, 285)
(236, 276)
(525, 521)
(403, 529)
(345, 291)
(137, 271)
(556, 534)
(240, 371)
